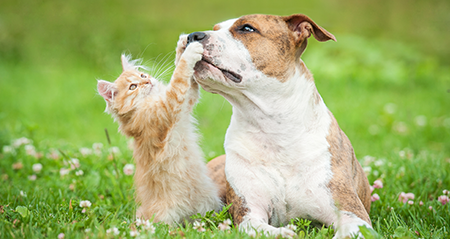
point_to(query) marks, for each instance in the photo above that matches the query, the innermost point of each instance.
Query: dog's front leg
(255, 198)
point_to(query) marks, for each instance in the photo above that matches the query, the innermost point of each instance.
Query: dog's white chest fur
(276, 150)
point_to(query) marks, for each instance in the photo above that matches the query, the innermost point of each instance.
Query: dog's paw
(193, 53)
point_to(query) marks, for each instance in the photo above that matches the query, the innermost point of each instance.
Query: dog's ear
(303, 27)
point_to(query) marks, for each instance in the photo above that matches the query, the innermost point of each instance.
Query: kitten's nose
(196, 36)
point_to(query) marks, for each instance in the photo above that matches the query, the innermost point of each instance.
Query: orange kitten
(171, 177)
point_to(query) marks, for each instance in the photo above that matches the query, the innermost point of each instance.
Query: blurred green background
(386, 79)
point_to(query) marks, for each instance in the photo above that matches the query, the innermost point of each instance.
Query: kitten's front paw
(181, 46)
(193, 53)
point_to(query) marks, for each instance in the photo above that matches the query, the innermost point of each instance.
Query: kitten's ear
(107, 90)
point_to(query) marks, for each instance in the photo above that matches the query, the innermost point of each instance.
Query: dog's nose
(196, 36)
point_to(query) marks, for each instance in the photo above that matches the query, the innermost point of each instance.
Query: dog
(286, 156)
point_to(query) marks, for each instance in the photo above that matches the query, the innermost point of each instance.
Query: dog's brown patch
(216, 27)
(277, 42)
(349, 185)
(271, 46)
(308, 75)
(239, 208)
(216, 171)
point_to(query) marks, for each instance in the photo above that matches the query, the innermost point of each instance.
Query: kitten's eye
(144, 75)
(133, 86)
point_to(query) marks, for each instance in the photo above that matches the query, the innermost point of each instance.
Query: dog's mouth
(233, 76)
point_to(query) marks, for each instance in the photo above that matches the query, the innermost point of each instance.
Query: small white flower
(87, 230)
(32, 177)
(402, 154)
(378, 184)
(375, 197)
(128, 169)
(368, 159)
(30, 150)
(37, 167)
(400, 127)
(421, 120)
(64, 171)
(61, 236)
(85, 151)
(443, 199)
(113, 230)
(375, 173)
(79, 172)
(134, 233)
(251, 233)
(404, 197)
(367, 169)
(74, 163)
(19, 142)
(53, 154)
(151, 229)
(139, 221)
(390, 108)
(445, 192)
(291, 227)
(17, 166)
(8, 149)
(85, 203)
(23, 194)
(114, 150)
(225, 225)
(379, 162)
(97, 148)
(199, 226)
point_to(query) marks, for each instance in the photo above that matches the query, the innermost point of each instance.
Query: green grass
(386, 80)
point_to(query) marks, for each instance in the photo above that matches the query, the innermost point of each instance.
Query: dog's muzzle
(196, 36)
(201, 37)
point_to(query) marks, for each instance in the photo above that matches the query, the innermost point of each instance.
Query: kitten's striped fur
(171, 177)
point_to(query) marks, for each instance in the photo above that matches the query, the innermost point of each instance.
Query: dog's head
(242, 53)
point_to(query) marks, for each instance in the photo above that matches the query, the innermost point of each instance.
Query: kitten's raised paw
(181, 46)
(193, 53)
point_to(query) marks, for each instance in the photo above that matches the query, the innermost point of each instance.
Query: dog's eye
(248, 28)
(133, 86)
(144, 75)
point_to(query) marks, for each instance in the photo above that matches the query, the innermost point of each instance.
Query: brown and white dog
(286, 156)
